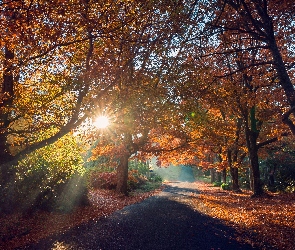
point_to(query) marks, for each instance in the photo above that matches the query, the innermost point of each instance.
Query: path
(161, 222)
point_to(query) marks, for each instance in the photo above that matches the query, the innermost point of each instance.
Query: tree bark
(251, 138)
(224, 175)
(122, 169)
(235, 179)
(122, 175)
(253, 155)
(233, 171)
(251, 178)
(5, 102)
(218, 176)
(212, 173)
(7, 173)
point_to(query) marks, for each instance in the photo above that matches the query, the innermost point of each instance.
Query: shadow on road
(156, 223)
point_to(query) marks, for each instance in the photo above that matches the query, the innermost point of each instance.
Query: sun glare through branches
(101, 122)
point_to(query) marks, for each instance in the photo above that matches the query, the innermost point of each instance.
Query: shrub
(108, 180)
(216, 184)
(225, 186)
(43, 179)
(244, 182)
(102, 180)
(140, 166)
(65, 197)
(285, 178)
(39, 190)
(135, 179)
(291, 188)
(279, 172)
(155, 178)
(149, 186)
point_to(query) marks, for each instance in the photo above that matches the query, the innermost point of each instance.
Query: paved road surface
(159, 222)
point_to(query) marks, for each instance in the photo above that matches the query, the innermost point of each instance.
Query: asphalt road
(165, 221)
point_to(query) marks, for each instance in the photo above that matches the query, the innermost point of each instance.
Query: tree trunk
(212, 173)
(251, 138)
(233, 171)
(6, 99)
(218, 176)
(7, 173)
(221, 175)
(224, 175)
(251, 178)
(235, 179)
(253, 155)
(122, 175)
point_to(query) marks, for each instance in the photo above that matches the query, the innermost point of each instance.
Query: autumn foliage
(201, 83)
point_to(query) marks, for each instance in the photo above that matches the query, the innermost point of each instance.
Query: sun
(101, 122)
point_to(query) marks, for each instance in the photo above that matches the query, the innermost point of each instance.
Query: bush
(73, 193)
(102, 180)
(155, 178)
(279, 171)
(50, 178)
(134, 180)
(244, 182)
(38, 190)
(65, 197)
(149, 186)
(108, 180)
(291, 188)
(225, 186)
(216, 184)
(141, 167)
(285, 179)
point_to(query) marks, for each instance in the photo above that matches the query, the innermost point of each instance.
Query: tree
(57, 73)
(265, 28)
(240, 42)
(140, 121)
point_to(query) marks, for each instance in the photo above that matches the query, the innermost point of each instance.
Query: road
(164, 221)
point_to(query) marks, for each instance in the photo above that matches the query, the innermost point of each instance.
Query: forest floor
(262, 223)
(19, 229)
(268, 219)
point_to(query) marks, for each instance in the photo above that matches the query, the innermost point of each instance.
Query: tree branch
(262, 144)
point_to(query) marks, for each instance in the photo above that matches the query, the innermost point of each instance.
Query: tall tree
(266, 28)
(245, 43)
(63, 71)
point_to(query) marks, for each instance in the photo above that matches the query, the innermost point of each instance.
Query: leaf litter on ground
(263, 222)
(18, 230)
